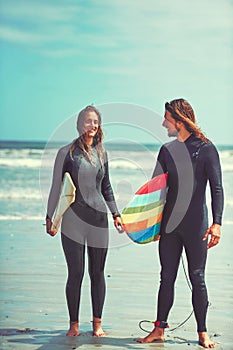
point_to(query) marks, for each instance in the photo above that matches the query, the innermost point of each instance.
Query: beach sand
(33, 307)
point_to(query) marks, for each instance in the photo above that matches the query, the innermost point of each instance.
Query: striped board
(142, 216)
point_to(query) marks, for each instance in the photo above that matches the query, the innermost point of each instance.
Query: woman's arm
(106, 189)
(108, 195)
(55, 190)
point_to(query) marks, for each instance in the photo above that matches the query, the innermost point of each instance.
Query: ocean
(26, 172)
(33, 311)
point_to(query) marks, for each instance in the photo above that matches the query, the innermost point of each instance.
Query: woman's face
(91, 124)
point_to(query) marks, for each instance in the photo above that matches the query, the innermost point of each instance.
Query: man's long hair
(182, 111)
(81, 140)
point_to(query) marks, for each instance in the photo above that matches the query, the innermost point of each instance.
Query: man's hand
(215, 232)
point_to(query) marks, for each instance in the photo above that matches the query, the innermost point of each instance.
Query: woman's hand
(118, 224)
(215, 232)
(49, 227)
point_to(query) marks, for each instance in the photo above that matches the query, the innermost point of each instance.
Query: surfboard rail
(66, 198)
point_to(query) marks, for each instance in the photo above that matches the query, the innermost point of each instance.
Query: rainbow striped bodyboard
(142, 216)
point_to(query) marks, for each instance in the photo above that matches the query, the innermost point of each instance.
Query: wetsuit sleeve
(58, 172)
(107, 190)
(214, 175)
(160, 167)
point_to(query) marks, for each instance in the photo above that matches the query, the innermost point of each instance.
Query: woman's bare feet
(97, 329)
(73, 331)
(156, 335)
(205, 341)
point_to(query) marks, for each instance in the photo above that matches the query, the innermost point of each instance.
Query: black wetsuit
(84, 222)
(189, 165)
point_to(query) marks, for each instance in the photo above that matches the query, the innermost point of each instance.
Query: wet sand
(33, 307)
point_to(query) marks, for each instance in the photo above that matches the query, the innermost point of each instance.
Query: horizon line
(66, 141)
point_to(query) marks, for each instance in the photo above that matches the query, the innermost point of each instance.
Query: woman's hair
(182, 111)
(81, 140)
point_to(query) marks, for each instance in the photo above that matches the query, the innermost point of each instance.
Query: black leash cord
(170, 330)
(183, 322)
(144, 321)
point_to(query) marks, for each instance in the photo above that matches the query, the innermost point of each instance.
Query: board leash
(181, 323)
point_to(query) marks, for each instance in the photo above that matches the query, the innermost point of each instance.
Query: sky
(59, 56)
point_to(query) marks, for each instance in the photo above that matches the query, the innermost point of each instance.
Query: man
(190, 161)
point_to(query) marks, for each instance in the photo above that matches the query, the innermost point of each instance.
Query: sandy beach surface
(33, 307)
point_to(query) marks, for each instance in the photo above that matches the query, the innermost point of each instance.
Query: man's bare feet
(205, 341)
(156, 335)
(73, 331)
(97, 329)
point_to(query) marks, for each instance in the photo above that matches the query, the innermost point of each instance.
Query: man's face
(170, 124)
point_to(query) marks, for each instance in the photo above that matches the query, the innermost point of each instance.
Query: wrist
(116, 215)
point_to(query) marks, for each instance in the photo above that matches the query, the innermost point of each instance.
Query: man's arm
(214, 175)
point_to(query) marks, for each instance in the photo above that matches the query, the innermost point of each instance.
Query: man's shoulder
(201, 146)
(171, 144)
(208, 146)
(209, 149)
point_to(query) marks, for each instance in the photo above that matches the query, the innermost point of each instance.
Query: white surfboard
(66, 198)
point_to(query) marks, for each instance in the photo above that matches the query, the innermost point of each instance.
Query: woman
(85, 222)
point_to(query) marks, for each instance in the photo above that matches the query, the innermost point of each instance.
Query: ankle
(96, 320)
(161, 324)
(74, 324)
(202, 335)
(73, 330)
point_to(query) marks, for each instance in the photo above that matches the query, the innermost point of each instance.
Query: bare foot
(97, 329)
(205, 341)
(73, 331)
(156, 335)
